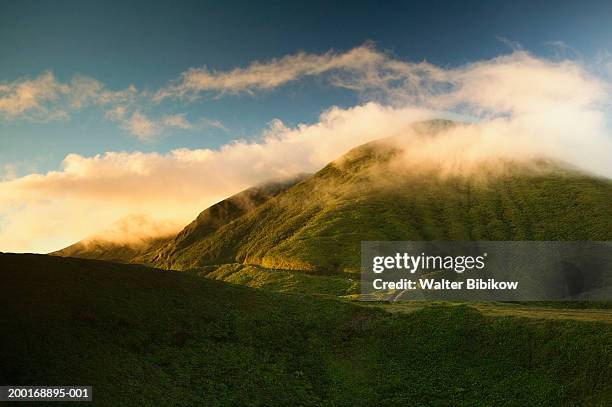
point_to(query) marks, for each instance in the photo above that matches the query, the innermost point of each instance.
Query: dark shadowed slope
(144, 337)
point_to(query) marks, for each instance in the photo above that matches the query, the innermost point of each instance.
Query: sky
(107, 107)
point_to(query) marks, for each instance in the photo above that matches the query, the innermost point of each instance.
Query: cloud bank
(518, 106)
(63, 206)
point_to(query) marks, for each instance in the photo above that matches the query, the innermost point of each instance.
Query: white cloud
(271, 74)
(30, 96)
(145, 128)
(217, 124)
(522, 106)
(141, 126)
(117, 113)
(178, 120)
(44, 212)
(45, 98)
(8, 172)
(513, 45)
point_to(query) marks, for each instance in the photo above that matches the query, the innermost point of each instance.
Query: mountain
(108, 250)
(318, 224)
(129, 241)
(212, 219)
(149, 336)
(145, 337)
(375, 193)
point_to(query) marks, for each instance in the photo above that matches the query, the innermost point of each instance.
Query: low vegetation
(148, 337)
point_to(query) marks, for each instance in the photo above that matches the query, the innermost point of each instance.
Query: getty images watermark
(486, 271)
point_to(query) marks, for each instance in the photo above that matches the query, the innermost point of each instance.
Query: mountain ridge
(209, 219)
(369, 193)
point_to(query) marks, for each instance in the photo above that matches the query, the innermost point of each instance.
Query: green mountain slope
(318, 224)
(144, 250)
(212, 219)
(100, 249)
(146, 337)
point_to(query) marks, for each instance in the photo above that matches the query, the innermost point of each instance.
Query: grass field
(146, 337)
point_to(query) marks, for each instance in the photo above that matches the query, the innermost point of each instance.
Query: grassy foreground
(144, 337)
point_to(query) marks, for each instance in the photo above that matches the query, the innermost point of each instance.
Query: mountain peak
(378, 192)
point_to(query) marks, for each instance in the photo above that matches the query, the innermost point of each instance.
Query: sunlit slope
(98, 249)
(206, 223)
(146, 337)
(319, 223)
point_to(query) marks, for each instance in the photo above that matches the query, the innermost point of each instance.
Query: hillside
(318, 224)
(373, 192)
(147, 337)
(141, 250)
(101, 249)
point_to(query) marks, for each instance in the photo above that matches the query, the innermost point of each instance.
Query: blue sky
(149, 44)
(113, 112)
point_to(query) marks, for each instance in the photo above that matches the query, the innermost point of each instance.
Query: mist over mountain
(123, 241)
(137, 238)
(391, 189)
